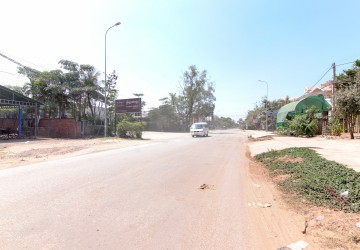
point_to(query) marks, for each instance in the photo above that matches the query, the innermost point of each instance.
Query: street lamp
(105, 132)
(266, 107)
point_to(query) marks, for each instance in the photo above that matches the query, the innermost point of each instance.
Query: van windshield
(198, 126)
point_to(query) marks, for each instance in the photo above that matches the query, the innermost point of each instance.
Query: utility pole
(333, 89)
(266, 106)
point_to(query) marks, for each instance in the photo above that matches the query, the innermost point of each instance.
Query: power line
(345, 63)
(11, 73)
(17, 63)
(32, 63)
(330, 69)
(321, 77)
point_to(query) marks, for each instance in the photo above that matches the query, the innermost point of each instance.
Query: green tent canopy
(300, 107)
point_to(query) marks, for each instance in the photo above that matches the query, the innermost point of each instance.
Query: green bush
(127, 129)
(336, 127)
(300, 125)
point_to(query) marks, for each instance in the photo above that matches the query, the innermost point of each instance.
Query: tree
(163, 118)
(223, 123)
(84, 87)
(55, 91)
(196, 95)
(89, 80)
(111, 95)
(256, 117)
(348, 106)
(347, 96)
(77, 88)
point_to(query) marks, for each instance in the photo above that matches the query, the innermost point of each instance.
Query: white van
(199, 129)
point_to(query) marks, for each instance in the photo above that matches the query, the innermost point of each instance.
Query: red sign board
(132, 105)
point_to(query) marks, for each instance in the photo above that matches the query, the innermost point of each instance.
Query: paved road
(142, 197)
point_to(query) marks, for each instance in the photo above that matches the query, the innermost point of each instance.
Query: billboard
(132, 105)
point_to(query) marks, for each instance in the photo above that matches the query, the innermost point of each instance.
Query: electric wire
(344, 63)
(341, 64)
(1, 71)
(321, 77)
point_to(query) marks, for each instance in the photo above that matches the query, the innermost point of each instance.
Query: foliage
(164, 118)
(177, 111)
(300, 125)
(256, 118)
(128, 129)
(347, 96)
(223, 123)
(314, 178)
(74, 91)
(196, 96)
(335, 127)
(348, 105)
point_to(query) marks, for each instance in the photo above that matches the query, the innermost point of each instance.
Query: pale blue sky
(289, 44)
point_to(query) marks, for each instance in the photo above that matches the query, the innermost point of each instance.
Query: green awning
(300, 107)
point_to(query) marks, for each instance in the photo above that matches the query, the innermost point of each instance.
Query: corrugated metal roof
(9, 97)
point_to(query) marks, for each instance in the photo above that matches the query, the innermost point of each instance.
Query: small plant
(355, 239)
(336, 127)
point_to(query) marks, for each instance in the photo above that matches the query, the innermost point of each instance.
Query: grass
(313, 178)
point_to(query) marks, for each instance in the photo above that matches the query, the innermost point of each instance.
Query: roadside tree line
(347, 97)
(75, 91)
(346, 101)
(195, 99)
(256, 118)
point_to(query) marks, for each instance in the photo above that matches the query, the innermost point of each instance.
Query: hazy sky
(289, 44)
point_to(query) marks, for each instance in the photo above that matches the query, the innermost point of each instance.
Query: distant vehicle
(199, 129)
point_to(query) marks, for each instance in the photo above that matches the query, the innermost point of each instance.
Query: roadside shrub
(335, 127)
(300, 125)
(127, 129)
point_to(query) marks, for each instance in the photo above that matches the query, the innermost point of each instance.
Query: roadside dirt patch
(17, 152)
(290, 159)
(262, 138)
(281, 177)
(329, 228)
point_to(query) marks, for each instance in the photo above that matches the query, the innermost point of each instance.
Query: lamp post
(105, 130)
(266, 106)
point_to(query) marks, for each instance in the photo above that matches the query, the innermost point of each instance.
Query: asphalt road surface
(142, 197)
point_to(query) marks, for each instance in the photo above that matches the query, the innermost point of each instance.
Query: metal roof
(9, 97)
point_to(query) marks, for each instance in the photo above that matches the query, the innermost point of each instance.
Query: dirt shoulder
(15, 152)
(321, 226)
(19, 152)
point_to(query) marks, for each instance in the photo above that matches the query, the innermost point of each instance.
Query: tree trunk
(351, 129)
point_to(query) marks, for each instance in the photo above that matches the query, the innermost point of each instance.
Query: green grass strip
(309, 175)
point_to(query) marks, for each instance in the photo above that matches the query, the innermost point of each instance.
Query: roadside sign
(132, 105)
